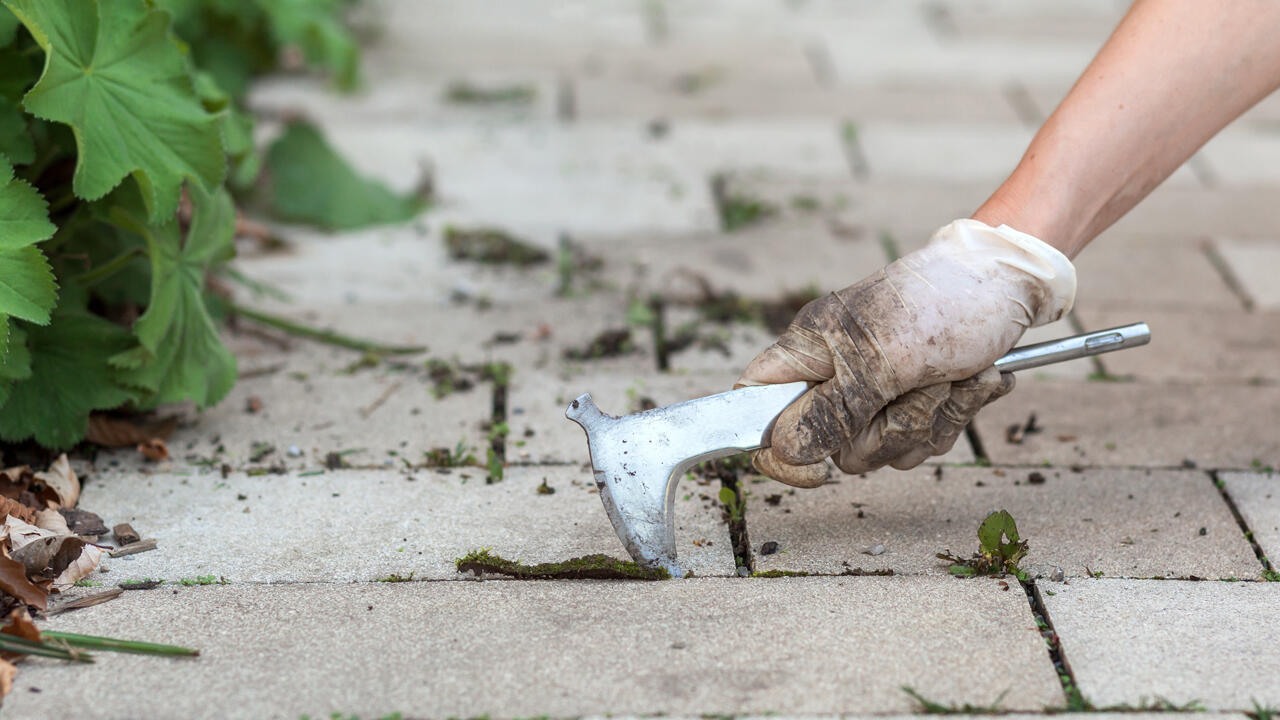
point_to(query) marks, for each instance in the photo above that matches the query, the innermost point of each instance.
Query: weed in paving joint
(929, 707)
(1000, 549)
(587, 567)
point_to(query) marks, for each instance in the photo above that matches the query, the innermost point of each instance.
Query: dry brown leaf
(53, 521)
(19, 624)
(13, 580)
(62, 480)
(154, 449)
(112, 431)
(58, 554)
(13, 507)
(7, 672)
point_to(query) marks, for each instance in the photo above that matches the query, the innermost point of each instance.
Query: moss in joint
(779, 574)
(587, 567)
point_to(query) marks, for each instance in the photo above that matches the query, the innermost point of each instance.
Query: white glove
(889, 354)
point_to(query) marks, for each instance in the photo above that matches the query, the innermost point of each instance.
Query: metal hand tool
(639, 459)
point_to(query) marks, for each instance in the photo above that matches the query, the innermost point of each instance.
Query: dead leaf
(55, 554)
(113, 431)
(154, 449)
(13, 580)
(253, 404)
(7, 672)
(88, 601)
(19, 625)
(62, 480)
(125, 534)
(84, 523)
(16, 509)
(53, 521)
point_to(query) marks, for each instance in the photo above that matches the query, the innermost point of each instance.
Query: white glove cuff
(1005, 246)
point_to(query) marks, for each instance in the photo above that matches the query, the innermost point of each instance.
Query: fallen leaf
(7, 672)
(113, 431)
(13, 580)
(13, 507)
(84, 523)
(62, 480)
(53, 521)
(154, 449)
(19, 625)
(55, 554)
(80, 568)
(88, 601)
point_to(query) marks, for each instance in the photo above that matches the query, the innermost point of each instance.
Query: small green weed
(732, 503)
(1263, 712)
(930, 707)
(202, 580)
(739, 211)
(466, 93)
(397, 578)
(1000, 549)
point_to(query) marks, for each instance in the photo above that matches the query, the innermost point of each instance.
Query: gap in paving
(1267, 567)
(661, 355)
(1070, 688)
(656, 25)
(854, 155)
(498, 429)
(566, 100)
(1203, 172)
(815, 52)
(1095, 360)
(1228, 276)
(743, 557)
(937, 17)
(1023, 104)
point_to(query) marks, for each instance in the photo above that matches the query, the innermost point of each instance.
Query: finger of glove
(903, 425)
(799, 354)
(814, 427)
(806, 476)
(965, 399)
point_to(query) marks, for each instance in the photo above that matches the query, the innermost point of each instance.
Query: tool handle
(1076, 346)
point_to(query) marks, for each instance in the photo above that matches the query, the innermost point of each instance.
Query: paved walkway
(863, 126)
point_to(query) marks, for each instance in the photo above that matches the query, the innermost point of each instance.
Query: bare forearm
(1172, 75)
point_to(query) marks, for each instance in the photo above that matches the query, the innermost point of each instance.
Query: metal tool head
(638, 459)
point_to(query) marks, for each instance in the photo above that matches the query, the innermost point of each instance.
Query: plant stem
(325, 336)
(11, 643)
(94, 642)
(108, 269)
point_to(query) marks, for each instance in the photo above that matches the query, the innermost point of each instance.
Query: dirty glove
(902, 360)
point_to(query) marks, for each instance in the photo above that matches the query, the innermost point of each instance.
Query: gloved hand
(903, 359)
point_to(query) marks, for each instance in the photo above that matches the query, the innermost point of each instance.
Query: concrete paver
(563, 649)
(1257, 497)
(1133, 523)
(1130, 641)
(1130, 273)
(1253, 264)
(1217, 346)
(365, 525)
(1134, 424)
(300, 410)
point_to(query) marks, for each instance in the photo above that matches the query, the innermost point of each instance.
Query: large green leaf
(179, 355)
(15, 363)
(27, 287)
(8, 27)
(313, 26)
(15, 140)
(69, 378)
(116, 75)
(311, 183)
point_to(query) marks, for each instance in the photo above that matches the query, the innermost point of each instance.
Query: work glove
(901, 362)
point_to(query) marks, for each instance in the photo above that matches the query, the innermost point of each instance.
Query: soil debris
(110, 430)
(1035, 478)
(545, 489)
(769, 548)
(492, 246)
(154, 450)
(727, 306)
(148, 584)
(587, 567)
(1017, 432)
(608, 344)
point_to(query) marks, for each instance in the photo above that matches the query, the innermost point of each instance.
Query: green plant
(122, 142)
(732, 503)
(929, 707)
(1000, 549)
(1264, 712)
(202, 580)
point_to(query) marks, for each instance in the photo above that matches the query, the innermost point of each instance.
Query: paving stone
(758, 262)
(317, 409)
(1131, 423)
(1130, 641)
(1031, 23)
(1182, 212)
(540, 180)
(536, 403)
(1166, 278)
(364, 525)
(942, 151)
(1257, 497)
(803, 148)
(564, 649)
(1195, 346)
(715, 347)
(1253, 265)
(1119, 522)
(1241, 156)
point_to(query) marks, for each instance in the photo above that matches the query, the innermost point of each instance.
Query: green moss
(469, 94)
(779, 574)
(739, 211)
(587, 567)
(396, 578)
(492, 246)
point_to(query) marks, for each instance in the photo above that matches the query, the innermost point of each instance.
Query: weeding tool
(638, 459)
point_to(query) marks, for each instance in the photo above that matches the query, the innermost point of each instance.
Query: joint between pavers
(1267, 567)
(854, 155)
(1023, 104)
(1076, 701)
(1228, 276)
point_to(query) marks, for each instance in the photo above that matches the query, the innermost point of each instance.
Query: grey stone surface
(363, 525)
(1253, 264)
(1134, 423)
(1257, 497)
(1129, 641)
(1133, 523)
(1217, 346)
(1140, 274)
(511, 649)
(942, 151)
(1243, 156)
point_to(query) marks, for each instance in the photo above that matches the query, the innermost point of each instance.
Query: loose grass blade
(10, 643)
(105, 644)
